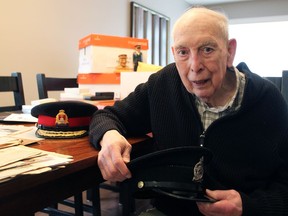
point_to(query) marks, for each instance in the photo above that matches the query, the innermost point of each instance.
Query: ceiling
(211, 2)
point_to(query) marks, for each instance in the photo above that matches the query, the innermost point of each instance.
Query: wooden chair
(46, 84)
(13, 84)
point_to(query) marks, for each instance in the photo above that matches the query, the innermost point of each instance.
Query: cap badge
(61, 119)
(198, 170)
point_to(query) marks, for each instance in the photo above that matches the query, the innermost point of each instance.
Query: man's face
(202, 56)
(138, 48)
(123, 61)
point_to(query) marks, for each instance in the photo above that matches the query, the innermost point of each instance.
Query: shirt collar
(229, 104)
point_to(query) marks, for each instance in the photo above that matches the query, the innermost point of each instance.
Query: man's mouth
(200, 82)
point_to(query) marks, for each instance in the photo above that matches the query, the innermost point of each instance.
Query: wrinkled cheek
(188, 85)
(183, 71)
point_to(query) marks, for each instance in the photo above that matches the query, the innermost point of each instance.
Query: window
(263, 46)
(151, 25)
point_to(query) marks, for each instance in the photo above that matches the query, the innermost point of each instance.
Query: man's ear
(172, 48)
(232, 45)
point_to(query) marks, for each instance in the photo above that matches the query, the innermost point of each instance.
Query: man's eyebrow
(200, 45)
(180, 47)
(208, 43)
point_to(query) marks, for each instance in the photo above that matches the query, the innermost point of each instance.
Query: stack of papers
(8, 142)
(20, 117)
(9, 134)
(74, 94)
(17, 159)
(23, 160)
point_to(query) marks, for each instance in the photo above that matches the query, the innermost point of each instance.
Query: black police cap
(63, 119)
(175, 172)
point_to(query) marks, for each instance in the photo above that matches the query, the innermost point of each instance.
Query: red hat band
(49, 121)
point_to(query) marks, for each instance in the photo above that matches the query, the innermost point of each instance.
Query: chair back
(46, 84)
(13, 84)
(281, 83)
(277, 81)
(284, 89)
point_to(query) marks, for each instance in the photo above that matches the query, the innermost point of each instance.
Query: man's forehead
(198, 33)
(200, 19)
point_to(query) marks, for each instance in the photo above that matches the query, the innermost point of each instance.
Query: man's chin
(202, 95)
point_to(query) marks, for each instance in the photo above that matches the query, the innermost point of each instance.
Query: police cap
(175, 172)
(63, 119)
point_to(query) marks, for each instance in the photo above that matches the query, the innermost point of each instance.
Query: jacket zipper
(202, 138)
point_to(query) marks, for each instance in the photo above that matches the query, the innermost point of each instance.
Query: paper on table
(27, 137)
(25, 133)
(47, 161)
(16, 153)
(6, 130)
(20, 160)
(9, 141)
(12, 173)
(20, 117)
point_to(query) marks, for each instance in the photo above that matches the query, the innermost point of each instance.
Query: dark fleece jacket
(249, 146)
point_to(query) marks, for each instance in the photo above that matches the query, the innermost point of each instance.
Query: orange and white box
(102, 53)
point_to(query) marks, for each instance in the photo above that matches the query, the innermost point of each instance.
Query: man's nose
(196, 63)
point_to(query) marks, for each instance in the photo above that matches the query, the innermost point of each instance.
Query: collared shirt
(210, 114)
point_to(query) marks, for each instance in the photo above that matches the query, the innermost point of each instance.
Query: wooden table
(26, 195)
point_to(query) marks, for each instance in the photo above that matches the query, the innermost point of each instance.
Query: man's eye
(182, 52)
(207, 50)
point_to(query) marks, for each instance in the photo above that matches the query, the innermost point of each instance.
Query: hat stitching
(46, 133)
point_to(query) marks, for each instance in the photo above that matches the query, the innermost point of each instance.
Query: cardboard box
(126, 83)
(129, 82)
(98, 78)
(108, 54)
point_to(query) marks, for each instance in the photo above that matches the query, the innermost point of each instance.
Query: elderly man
(203, 100)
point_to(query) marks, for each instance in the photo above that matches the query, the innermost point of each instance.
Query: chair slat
(13, 84)
(46, 84)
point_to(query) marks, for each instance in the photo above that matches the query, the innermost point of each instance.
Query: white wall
(42, 36)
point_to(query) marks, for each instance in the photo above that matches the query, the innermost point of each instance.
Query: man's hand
(114, 155)
(228, 203)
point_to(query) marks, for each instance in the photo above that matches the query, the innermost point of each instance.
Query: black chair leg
(78, 201)
(127, 200)
(94, 197)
